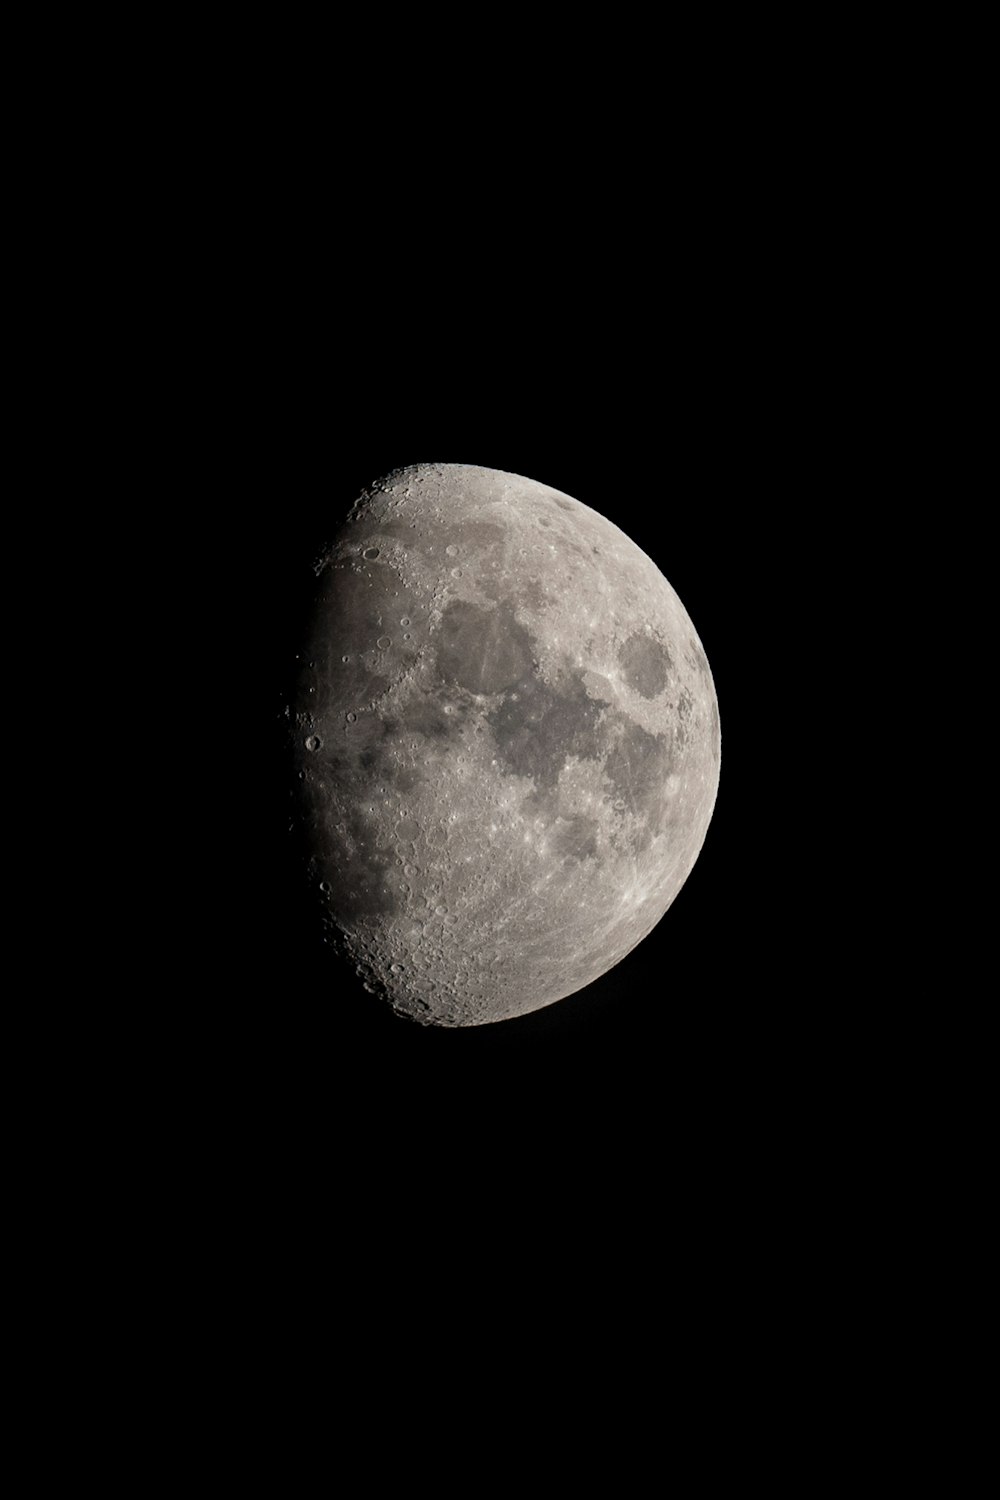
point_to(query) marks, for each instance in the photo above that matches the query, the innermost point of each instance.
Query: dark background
(676, 360)
(678, 372)
(678, 337)
(675, 339)
(683, 430)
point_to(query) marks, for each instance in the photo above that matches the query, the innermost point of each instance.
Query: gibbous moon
(506, 737)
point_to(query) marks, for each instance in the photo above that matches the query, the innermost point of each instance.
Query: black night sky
(680, 438)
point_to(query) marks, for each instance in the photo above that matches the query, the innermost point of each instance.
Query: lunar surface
(507, 743)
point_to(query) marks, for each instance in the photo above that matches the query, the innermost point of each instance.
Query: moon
(506, 743)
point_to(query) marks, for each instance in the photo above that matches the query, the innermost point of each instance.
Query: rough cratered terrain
(507, 741)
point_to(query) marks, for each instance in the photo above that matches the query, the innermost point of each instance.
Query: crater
(362, 877)
(430, 715)
(479, 533)
(697, 658)
(347, 616)
(538, 728)
(637, 766)
(485, 651)
(370, 758)
(575, 838)
(645, 664)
